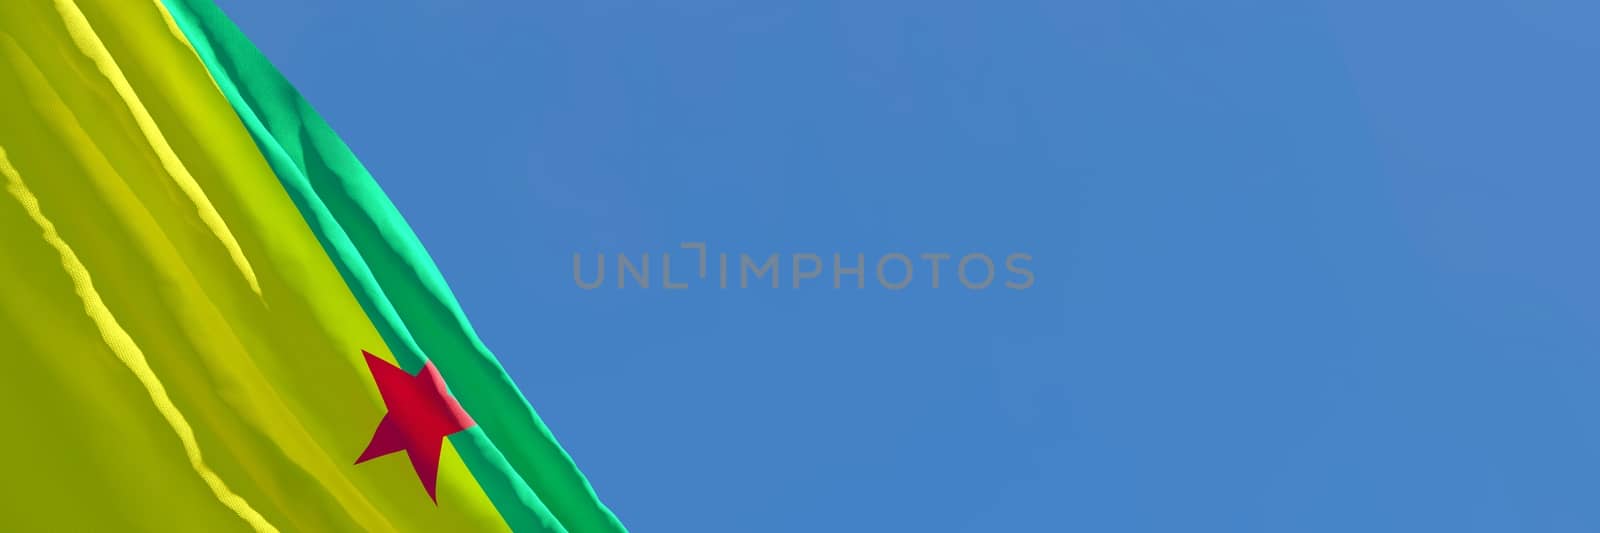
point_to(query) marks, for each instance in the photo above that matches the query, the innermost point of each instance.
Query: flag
(213, 319)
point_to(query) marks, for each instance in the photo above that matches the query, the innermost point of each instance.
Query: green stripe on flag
(531, 480)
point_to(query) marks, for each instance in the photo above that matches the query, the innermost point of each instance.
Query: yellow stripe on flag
(180, 353)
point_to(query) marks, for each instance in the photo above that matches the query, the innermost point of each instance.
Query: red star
(421, 414)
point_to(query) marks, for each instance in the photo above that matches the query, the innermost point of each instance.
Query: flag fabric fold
(195, 264)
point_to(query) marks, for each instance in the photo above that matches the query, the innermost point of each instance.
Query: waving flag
(212, 318)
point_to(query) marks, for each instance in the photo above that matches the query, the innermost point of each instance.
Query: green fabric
(532, 482)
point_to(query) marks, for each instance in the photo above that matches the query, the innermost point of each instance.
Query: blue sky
(1300, 266)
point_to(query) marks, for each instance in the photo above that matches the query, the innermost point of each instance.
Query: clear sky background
(1301, 266)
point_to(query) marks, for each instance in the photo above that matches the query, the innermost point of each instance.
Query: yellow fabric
(180, 354)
